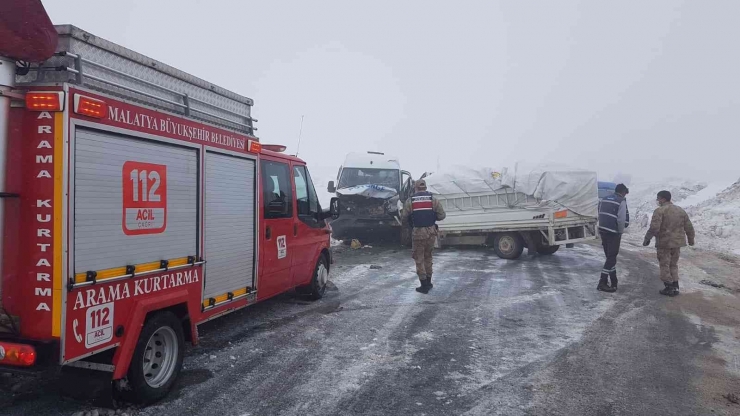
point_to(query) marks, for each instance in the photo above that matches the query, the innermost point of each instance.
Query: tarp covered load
(556, 188)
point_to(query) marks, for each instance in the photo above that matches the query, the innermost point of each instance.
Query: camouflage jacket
(670, 226)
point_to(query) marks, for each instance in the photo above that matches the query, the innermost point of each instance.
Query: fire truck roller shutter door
(135, 201)
(230, 224)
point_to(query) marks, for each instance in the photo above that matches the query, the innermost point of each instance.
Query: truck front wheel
(508, 245)
(157, 359)
(320, 279)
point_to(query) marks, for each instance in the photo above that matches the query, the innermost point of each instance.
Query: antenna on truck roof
(300, 131)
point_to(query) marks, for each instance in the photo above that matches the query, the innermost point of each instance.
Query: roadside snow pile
(717, 220)
(714, 209)
(641, 199)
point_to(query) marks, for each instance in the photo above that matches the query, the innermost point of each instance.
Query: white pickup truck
(537, 209)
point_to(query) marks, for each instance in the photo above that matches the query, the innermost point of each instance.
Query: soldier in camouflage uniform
(421, 212)
(671, 227)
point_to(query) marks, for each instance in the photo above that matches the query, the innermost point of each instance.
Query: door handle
(295, 230)
(268, 233)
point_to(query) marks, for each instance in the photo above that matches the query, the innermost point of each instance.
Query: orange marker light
(90, 107)
(45, 101)
(255, 147)
(561, 214)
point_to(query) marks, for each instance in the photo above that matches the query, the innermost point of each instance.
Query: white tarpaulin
(555, 187)
(369, 191)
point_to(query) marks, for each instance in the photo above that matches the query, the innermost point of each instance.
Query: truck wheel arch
(174, 301)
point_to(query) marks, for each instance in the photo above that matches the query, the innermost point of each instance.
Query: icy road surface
(494, 337)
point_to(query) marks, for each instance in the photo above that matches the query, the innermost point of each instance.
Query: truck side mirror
(331, 188)
(332, 212)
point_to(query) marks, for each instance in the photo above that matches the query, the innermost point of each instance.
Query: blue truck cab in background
(606, 189)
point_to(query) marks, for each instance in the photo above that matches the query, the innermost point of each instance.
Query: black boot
(668, 290)
(429, 281)
(604, 286)
(675, 288)
(614, 281)
(424, 288)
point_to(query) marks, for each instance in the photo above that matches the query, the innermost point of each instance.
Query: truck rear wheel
(157, 359)
(547, 250)
(508, 245)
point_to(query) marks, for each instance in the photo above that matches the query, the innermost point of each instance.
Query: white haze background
(649, 89)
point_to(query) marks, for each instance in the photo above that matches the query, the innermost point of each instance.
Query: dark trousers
(611, 242)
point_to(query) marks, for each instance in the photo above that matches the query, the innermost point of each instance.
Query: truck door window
(308, 203)
(277, 193)
(313, 197)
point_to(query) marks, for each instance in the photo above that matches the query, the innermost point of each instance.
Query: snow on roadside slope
(641, 199)
(712, 190)
(717, 221)
(714, 209)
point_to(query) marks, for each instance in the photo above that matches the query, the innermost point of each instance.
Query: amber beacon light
(45, 101)
(90, 107)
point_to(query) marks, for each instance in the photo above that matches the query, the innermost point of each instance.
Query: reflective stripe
(102, 275)
(422, 205)
(611, 202)
(611, 215)
(608, 229)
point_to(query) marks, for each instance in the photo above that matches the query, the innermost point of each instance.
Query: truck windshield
(362, 176)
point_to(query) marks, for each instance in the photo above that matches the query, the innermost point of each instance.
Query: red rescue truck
(138, 204)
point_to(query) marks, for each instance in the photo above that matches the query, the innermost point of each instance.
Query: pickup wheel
(317, 288)
(157, 359)
(508, 245)
(547, 250)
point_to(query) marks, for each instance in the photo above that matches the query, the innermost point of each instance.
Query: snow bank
(641, 199)
(717, 220)
(714, 209)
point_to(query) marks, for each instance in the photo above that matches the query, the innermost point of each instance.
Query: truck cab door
(406, 185)
(311, 232)
(276, 248)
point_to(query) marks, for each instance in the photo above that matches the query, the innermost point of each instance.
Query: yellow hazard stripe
(57, 280)
(121, 271)
(224, 297)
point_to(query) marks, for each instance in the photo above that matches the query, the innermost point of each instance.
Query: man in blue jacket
(614, 217)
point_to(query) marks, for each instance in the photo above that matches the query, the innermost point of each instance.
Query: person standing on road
(421, 212)
(671, 227)
(614, 217)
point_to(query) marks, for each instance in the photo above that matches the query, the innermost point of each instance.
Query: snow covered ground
(714, 209)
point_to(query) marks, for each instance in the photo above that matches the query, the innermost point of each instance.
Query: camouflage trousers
(668, 261)
(422, 247)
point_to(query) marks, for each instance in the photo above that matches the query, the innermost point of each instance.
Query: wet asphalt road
(526, 337)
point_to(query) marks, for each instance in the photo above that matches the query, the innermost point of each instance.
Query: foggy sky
(644, 87)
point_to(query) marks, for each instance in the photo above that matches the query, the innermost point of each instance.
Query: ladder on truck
(98, 64)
